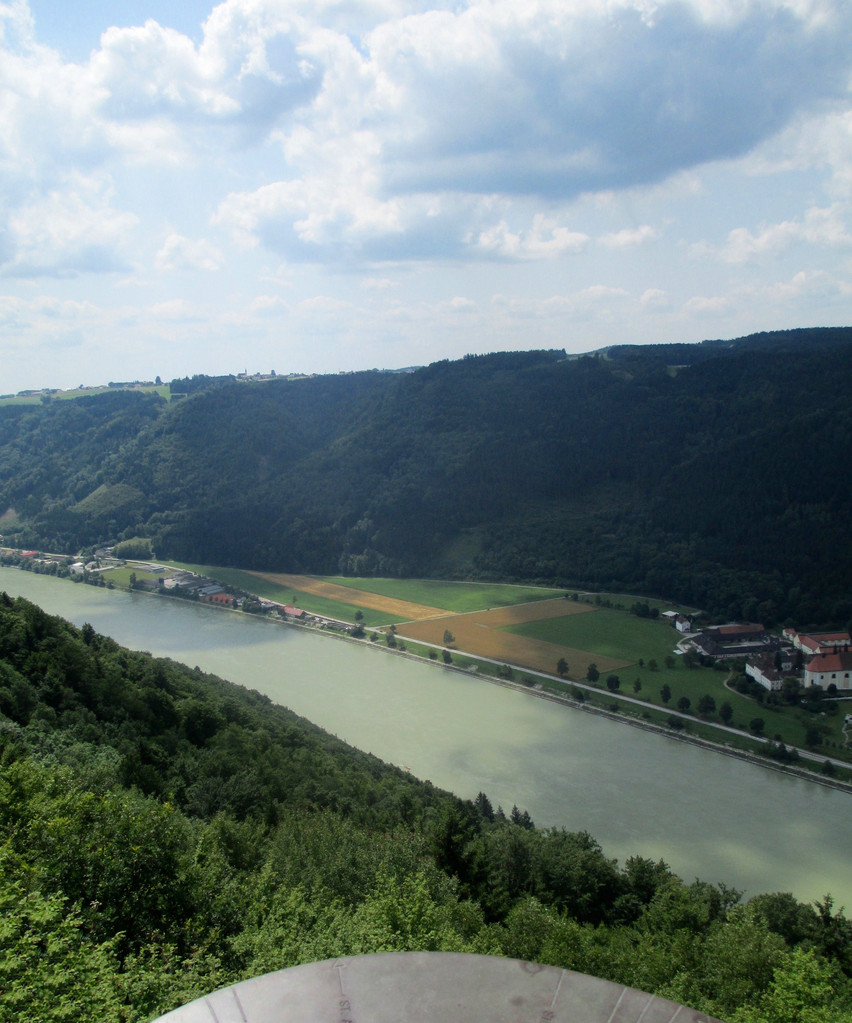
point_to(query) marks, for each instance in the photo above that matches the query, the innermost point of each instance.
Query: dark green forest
(712, 474)
(164, 833)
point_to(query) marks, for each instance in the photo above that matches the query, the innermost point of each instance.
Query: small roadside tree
(665, 692)
(592, 673)
(726, 712)
(562, 667)
(706, 705)
(683, 704)
(613, 682)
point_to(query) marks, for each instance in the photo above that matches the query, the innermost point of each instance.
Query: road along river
(708, 815)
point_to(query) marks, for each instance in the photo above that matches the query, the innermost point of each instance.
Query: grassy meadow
(460, 598)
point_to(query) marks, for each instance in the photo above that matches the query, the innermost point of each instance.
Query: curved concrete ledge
(430, 987)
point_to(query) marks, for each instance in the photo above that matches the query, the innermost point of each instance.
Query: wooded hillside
(712, 474)
(164, 833)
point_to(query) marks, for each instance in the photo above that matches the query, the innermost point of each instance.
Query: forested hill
(713, 473)
(164, 833)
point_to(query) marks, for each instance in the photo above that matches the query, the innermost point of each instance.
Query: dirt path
(357, 598)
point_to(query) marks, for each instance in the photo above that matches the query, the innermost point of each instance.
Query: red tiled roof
(831, 662)
(829, 637)
(740, 630)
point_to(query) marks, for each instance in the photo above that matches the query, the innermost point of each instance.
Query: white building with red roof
(830, 669)
(812, 643)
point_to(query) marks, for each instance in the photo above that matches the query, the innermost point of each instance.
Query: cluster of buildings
(821, 659)
(828, 657)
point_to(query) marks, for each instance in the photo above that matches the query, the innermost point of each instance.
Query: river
(707, 815)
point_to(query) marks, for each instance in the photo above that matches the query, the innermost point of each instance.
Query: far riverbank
(715, 817)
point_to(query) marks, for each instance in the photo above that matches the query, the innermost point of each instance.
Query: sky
(316, 186)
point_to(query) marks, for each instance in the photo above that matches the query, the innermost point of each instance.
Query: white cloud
(546, 239)
(524, 100)
(654, 299)
(268, 305)
(819, 227)
(459, 304)
(179, 253)
(703, 305)
(394, 123)
(629, 237)
(813, 284)
(378, 283)
(176, 309)
(69, 231)
(598, 300)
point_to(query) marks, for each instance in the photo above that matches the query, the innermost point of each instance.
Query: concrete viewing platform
(430, 987)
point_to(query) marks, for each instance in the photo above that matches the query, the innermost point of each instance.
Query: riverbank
(793, 770)
(327, 625)
(679, 736)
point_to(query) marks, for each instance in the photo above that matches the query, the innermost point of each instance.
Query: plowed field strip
(358, 598)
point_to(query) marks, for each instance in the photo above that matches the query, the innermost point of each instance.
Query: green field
(121, 576)
(451, 596)
(609, 633)
(83, 392)
(623, 636)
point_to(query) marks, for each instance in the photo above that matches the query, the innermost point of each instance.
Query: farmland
(546, 632)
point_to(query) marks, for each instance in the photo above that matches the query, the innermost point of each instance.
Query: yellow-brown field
(480, 634)
(347, 595)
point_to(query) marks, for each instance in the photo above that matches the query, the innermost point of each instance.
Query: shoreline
(339, 632)
(793, 770)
